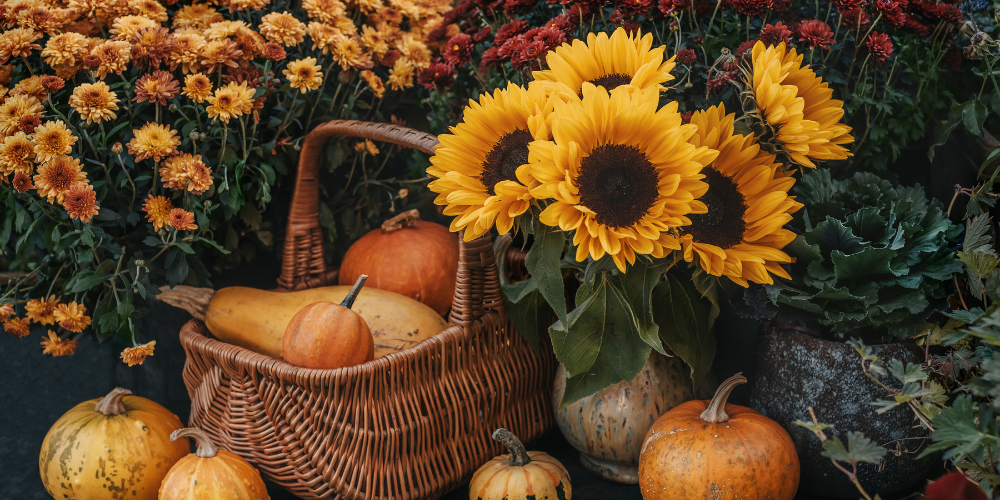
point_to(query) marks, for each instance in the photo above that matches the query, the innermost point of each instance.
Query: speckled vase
(608, 427)
(795, 371)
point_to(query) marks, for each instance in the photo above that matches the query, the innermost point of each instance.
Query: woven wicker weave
(412, 425)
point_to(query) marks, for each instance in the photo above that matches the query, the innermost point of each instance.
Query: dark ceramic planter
(795, 371)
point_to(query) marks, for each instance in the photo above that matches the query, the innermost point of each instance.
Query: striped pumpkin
(520, 475)
(113, 447)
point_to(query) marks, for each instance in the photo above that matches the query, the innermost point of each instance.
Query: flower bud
(117, 148)
(194, 135)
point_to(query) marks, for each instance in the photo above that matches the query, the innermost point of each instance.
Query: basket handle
(302, 265)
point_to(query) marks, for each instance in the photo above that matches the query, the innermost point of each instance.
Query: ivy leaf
(686, 321)
(542, 262)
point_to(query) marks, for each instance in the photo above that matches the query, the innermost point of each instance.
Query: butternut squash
(257, 319)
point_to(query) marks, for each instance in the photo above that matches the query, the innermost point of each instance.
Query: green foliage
(871, 259)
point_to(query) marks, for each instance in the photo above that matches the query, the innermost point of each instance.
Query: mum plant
(639, 208)
(140, 139)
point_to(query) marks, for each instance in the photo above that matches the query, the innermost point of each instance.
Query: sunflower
(619, 172)
(282, 28)
(741, 235)
(198, 87)
(136, 355)
(15, 108)
(609, 62)
(157, 210)
(481, 168)
(304, 74)
(95, 102)
(795, 107)
(230, 101)
(56, 176)
(72, 316)
(52, 139)
(153, 141)
(42, 311)
(17, 154)
(56, 346)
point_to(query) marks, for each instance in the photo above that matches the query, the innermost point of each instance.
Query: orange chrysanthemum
(230, 101)
(401, 74)
(52, 139)
(42, 311)
(95, 102)
(327, 11)
(182, 220)
(220, 52)
(323, 35)
(6, 311)
(158, 87)
(249, 42)
(125, 27)
(187, 52)
(198, 16)
(18, 42)
(304, 74)
(16, 108)
(282, 28)
(114, 57)
(198, 87)
(72, 316)
(22, 182)
(136, 355)
(65, 49)
(374, 83)
(274, 51)
(56, 176)
(150, 9)
(186, 171)
(58, 347)
(151, 47)
(157, 210)
(17, 154)
(81, 202)
(153, 141)
(223, 29)
(17, 327)
(31, 86)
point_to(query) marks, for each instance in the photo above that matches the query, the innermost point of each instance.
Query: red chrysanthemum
(437, 76)
(52, 84)
(816, 33)
(880, 47)
(854, 17)
(563, 22)
(780, 5)
(773, 34)
(491, 57)
(635, 7)
(515, 7)
(480, 35)
(745, 50)
(885, 5)
(21, 182)
(686, 117)
(458, 50)
(953, 57)
(686, 56)
(510, 30)
(751, 7)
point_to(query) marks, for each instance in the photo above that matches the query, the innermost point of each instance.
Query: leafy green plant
(872, 259)
(846, 458)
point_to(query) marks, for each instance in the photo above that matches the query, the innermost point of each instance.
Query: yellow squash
(257, 319)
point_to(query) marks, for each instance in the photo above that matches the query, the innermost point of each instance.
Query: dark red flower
(631, 26)
(52, 84)
(461, 9)
(952, 57)
(696, 40)
(686, 117)
(847, 4)
(671, 7)
(854, 17)
(816, 33)
(458, 50)
(390, 58)
(885, 5)
(635, 7)
(510, 30)
(515, 7)
(703, 7)
(780, 5)
(915, 26)
(773, 34)
(751, 7)
(437, 76)
(481, 34)
(745, 50)
(686, 56)
(550, 37)
(490, 58)
(950, 13)
(91, 61)
(721, 80)
(954, 486)
(880, 47)
(616, 18)
(437, 33)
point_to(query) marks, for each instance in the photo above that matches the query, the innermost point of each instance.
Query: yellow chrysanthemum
(198, 87)
(481, 167)
(401, 74)
(42, 311)
(223, 29)
(65, 49)
(620, 173)
(136, 355)
(56, 176)
(114, 56)
(199, 16)
(153, 141)
(186, 52)
(304, 74)
(52, 139)
(609, 62)
(741, 235)
(94, 101)
(796, 104)
(327, 11)
(230, 101)
(324, 36)
(17, 154)
(16, 107)
(157, 210)
(282, 28)
(126, 26)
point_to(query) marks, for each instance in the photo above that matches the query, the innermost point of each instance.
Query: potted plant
(872, 262)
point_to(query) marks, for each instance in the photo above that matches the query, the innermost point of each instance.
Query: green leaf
(995, 100)
(542, 262)
(528, 312)
(976, 239)
(864, 264)
(184, 247)
(832, 234)
(639, 282)
(107, 214)
(974, 113)
(859, 449)
(685, 319)
(85, 281)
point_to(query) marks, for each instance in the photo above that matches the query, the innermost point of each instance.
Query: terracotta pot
(796, 371)
(608, 427)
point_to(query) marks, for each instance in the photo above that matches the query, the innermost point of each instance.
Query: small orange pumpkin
(710, 449)
(211, 473)
(414, 258)
(117, 446)
(327, 335)
(520, 475)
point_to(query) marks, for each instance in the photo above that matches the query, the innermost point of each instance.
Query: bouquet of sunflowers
(139, 140)
(640, 208)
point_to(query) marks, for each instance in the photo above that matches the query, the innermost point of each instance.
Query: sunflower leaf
(528, 311)
(542, 262)
(685, 318)
(639, 282)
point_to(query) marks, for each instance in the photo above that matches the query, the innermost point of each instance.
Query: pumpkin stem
(191, 299)
(716, 411)
(355, 290)
(518, 455)
(206, 448)
(112, 404)
(400, 221)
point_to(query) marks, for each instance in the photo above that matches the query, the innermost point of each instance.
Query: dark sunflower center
(618, 183)
(723, 224)
(612, 81)
(508, 153)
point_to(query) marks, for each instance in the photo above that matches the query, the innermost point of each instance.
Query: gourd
(520, 475)
(257, 319)
(710, 449)
(117, 447)
(409, 256)
(328, 335)
(210, 473)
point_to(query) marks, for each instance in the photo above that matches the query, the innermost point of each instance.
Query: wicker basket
(411, 425)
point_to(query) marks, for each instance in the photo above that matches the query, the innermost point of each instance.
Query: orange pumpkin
(327, 335)
(408, 256)
(117, 447)
(211, 474)
(520, 475)
(710, 449)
